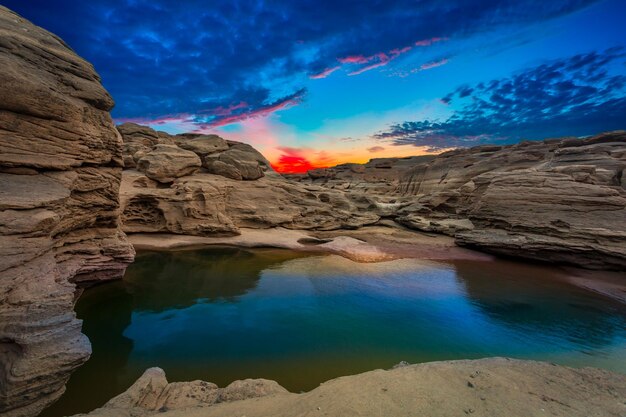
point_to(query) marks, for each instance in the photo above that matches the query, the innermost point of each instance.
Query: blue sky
(314, 83)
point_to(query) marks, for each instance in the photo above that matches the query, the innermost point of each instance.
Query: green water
(226, 314)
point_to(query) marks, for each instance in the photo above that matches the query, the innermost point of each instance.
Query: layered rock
(166, 157)
(236, 188)
(60, 170)
(379, 176)
(165, 163)
(557, 200)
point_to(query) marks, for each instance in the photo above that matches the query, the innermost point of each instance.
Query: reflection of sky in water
(227, 314)
(402, 310)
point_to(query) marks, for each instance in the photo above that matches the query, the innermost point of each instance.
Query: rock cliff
(230, 186)
(558, 200)
(60, 170)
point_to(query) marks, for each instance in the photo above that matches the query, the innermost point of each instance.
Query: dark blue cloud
(162, 57)
(577, 96)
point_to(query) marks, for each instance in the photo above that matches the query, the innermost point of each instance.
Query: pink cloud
(260, 112)
(433, 64)
(377, 60)
(355, 59)
(325, 73)
(161, 120)
(428, 42)
(226, 111)
(369, 67)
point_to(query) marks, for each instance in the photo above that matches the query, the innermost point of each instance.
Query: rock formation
(378, 176)
(558, 200)
(60, 170)
(486, 387)
(236, 188)
(152, 393)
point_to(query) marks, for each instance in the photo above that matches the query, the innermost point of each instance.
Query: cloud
(375, 149)
(325, 73)
(580, 95)
(222, 60)
(434, 64)
(300, 160)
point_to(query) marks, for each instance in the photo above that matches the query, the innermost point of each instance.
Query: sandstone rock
(217, 167)
(165, 163)
(204, 204)
(488, 387)
(320, 173)
(61, 162)
(139, 140)
(243, 162)
(152, 392)
(201, 144)
(557, 200)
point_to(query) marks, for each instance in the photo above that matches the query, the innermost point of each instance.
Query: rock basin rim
(73, 185)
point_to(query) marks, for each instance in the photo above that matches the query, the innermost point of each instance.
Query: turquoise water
(224, 314)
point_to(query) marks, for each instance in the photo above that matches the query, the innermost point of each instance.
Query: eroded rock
(61, 164)
(165, 163)
(557, 200)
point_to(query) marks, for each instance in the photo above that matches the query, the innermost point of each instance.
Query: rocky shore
(60, 171)
(73, 185)
(488, 387)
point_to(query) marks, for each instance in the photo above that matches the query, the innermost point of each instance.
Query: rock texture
(557, 200)
(379, 176)
(560, 200)
(236, 188)
(152, 393)
(488, 388)
(165, 163)
(60, 170)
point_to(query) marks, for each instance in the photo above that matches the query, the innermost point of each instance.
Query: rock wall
(558, 200)
(60, 170)
(202, 185)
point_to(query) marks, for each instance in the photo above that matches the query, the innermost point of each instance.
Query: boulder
(152, 393)
(139, 140)
(201, 144)
(165, 163)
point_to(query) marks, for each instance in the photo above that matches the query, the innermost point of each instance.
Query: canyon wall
(60, 170)
(561, 200)
(203, 185)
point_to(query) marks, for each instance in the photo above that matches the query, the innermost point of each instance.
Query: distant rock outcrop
(60, 170)
(560, 200)
(235, 188)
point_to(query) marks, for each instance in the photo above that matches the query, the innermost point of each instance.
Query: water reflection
(534, 299)
(226, 314)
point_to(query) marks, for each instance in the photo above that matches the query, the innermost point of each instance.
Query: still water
(223, 314)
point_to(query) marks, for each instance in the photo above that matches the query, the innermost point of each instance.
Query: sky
(316, 83)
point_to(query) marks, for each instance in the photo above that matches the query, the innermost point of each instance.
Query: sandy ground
(494, 387)
(369, 244)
